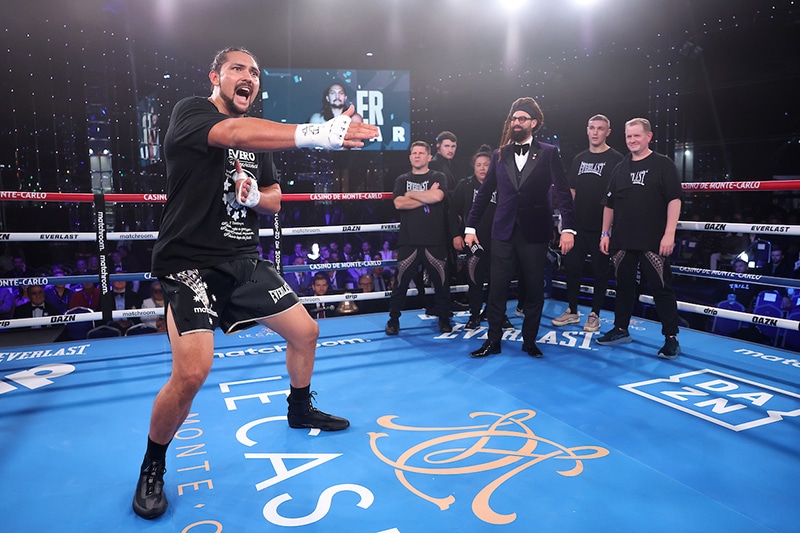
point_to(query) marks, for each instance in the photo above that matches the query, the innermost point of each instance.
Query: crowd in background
(771, 255)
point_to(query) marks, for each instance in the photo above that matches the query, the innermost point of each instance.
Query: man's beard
(231, 106)
(519, 135)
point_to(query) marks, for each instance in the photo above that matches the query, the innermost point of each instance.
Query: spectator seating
(78, 330)
(102, 332)
(727, 326)
(140, 329)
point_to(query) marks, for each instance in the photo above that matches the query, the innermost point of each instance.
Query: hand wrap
(253, 197)
(327, 136)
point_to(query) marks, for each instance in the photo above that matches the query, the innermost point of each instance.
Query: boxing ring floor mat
(588, 438)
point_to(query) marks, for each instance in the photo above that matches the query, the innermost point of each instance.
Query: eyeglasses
(521, 120)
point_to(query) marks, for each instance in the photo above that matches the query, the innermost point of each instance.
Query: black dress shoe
(487, 348)
(531, 349)
(507, 323)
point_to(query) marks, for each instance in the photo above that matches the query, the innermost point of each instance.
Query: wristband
(605, 234)
(253, 197)
(326, 136)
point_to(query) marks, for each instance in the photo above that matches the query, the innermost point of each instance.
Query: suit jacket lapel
(530, 164)
(511, 165)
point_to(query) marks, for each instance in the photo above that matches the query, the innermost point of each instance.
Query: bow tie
(38, 307)
(521, 149)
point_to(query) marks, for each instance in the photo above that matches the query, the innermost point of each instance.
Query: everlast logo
(765, 321)
(770, 229)
(58, 236)
(60, 319)
(241, 155)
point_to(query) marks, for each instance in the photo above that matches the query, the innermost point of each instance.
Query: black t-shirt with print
(589, 176)
(202, 224)
(639, 193)
(425, 225)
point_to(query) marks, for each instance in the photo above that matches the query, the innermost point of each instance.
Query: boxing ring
(588, 438)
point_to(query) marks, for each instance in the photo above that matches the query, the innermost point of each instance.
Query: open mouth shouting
(242, 95)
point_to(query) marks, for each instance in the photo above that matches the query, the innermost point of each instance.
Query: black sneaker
(671, 348)
(614, 336)
(445, 326)
(305, 415)
(150, 501)
(392, 327)
(474, 322)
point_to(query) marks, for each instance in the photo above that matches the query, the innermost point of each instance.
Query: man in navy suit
(522, 172)
(300, 282)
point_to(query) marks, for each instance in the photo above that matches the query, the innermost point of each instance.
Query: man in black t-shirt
(588, 180)
(419, 196)
(444, 160)
(643, 203)
(206, 256)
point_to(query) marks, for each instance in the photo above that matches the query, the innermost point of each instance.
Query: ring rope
(720, 227)
(87, 197)
(721, 186)
(725, 275)
(725, 227)
(52, 320)
(741, 316)
(709, 186)
(708, 310)
(160, 198)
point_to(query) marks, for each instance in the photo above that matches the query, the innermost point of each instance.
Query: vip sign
(729, 401)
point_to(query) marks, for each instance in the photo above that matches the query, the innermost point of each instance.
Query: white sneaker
(567, 318)
(592, 323)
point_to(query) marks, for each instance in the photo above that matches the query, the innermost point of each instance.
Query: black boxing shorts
(232, 295)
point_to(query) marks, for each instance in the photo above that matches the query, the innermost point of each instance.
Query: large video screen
(380, 97)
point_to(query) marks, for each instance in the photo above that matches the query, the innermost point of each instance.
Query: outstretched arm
(261, 135)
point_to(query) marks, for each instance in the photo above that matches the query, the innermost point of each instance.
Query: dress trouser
(656, 271)
(507, 256)
(478, 270)
(586, 242)
(434, 261)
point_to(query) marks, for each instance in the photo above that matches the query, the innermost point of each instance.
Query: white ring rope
(728, 227)
(766, 229)
(763, 320)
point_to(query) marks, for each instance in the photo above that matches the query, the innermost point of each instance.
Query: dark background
(720, 77)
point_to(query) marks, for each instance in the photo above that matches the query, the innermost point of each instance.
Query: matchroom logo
(729, 401)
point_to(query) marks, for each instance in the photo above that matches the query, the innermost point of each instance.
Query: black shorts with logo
(232, 295)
